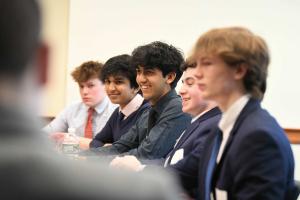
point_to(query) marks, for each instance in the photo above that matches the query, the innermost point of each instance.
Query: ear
(240, 71)
(42, 58)
(170, 77)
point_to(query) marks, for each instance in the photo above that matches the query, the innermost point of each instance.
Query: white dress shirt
(226, 124)
(75, 116)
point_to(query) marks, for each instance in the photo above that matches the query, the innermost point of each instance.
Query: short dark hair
(20, 23)
(120, 66)
(86, 71)
(190, 62)
(159, 55)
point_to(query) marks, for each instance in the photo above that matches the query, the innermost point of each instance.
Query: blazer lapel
(196, 124)
(250, 107)
(187, 133)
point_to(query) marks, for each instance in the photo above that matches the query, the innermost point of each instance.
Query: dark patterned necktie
(151, 119)
(120, 116)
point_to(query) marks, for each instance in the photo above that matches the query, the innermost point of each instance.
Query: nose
(140, 78)
(84, 90)
(182, 90)
(111, 86)
(199, 73)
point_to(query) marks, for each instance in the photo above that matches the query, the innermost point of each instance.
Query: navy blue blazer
(257, 162)
(197, 131)
(192, 141)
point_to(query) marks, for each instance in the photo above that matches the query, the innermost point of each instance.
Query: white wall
(100, 29)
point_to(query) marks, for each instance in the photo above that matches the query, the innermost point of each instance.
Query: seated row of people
(233, 155)
(121, 76)
(247, 155)
(183, 158)
(250, 159)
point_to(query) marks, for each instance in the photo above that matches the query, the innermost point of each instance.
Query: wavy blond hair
(237, 45)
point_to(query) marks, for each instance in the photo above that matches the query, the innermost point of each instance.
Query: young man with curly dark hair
(156, 131)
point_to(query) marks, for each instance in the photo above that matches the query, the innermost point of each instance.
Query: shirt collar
(230, 116)
(99, 108)
(160, 104)
(199, 115)
(133, 105)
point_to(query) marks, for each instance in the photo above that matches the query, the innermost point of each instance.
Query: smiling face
(119, 91)
(92, 92)
(190, 93)
(152, 83)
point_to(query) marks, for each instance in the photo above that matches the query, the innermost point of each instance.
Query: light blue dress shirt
(75, 116)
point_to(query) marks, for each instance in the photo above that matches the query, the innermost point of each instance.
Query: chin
(185, 110)
(115, 102)
(89, 104)
(146, 97)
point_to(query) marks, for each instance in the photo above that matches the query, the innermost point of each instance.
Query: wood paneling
(293, 135)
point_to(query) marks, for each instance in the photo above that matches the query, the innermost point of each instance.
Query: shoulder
(208, 124)
(73, 107)
(144, 114)
(261, 131)
(175, 99)
(75, 104)
(111, 107)
(144, 106)
(174, 103)
(114, 114)
(260, 121)
(211, 117)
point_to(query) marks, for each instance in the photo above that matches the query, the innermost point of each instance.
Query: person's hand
(128, 163)
(57, 137)
(84, 143)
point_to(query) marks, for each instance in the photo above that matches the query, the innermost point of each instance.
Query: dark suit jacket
(193, 141)
(197, 131)
(257, 162)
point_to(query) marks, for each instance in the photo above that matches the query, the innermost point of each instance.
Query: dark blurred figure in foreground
(29, 169)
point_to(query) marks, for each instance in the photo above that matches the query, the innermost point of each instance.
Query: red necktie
(88, 132)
